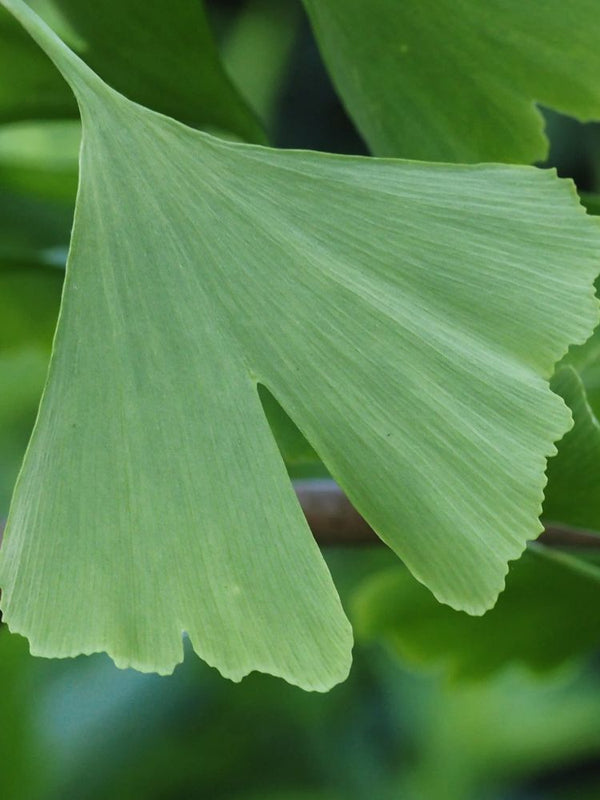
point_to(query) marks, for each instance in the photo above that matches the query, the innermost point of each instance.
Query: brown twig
(330, 515)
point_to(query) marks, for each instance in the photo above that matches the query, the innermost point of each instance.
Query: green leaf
(29, 298)
(30, 87)
(292, 444)
(548, 613)
(256, 52)
(406, 317)
(475, 740)
(591, 201)
(39, 161)
(21, 742)
(449, 81)
(585, 359)
(33, 230)
(545, 590)
(573, 492)
(22, 374)
(162, 57)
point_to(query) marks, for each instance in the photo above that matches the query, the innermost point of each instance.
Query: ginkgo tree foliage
(406, 316)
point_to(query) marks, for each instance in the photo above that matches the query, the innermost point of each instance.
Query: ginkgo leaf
(406, 317)
(532, 621)
(449, 81)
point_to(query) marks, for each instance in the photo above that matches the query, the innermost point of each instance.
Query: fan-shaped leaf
(405, 316)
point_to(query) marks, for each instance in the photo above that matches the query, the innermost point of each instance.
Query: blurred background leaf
(269, 28)
(438, 82)
(91, 732)
(548, 614)
(162, 56)
(572, 495)
(39, 161)
(30, 87)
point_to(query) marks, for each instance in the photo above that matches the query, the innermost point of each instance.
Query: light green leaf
(573, 492)
(450, 81)
(548, 613)
(406, 317)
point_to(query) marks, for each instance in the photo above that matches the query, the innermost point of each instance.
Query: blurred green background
(83, 729)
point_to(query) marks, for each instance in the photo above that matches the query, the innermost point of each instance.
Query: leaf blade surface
(407, 318)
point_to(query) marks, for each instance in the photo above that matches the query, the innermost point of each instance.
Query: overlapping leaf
(450, 81)
(585, 359)
(30, 87)
(164, 58)
(573, 493)
(406, 317)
